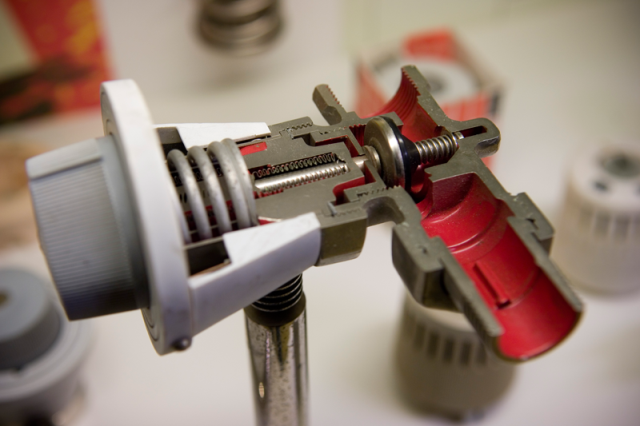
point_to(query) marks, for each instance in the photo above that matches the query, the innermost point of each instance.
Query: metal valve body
(460, 241)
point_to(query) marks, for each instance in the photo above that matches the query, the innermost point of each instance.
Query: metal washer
(381, 136)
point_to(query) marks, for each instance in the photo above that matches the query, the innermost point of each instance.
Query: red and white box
(460, 85)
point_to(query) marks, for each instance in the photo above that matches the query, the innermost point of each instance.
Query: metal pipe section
(277, 338)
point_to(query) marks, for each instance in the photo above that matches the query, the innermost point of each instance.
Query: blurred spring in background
(240, 27)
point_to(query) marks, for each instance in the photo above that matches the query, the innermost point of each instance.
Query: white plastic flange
(125, 116)
(598, 234)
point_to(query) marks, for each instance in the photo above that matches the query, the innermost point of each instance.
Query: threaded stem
(439, 149)
(283, 181)
(282, 298)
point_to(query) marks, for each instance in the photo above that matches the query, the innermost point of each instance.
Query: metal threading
(283, 181)
(283, 298)
(439, 149)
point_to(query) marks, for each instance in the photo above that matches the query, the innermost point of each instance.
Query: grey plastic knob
(40, 353)
(87, 229)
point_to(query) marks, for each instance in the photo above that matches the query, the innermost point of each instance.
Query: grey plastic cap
(87, 228)
(29, 322)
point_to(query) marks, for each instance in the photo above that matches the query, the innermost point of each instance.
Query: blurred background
(558, 75)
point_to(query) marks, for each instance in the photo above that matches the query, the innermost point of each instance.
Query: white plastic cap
(598, 234)
(443, 366)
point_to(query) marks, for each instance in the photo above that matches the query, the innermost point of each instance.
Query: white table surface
(573, 77)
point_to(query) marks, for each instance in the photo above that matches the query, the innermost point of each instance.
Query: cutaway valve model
(193, 222)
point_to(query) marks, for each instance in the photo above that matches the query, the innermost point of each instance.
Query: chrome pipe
(276, 332)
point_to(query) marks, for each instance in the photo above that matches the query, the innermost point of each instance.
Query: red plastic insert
(534, 314)
(473, 223)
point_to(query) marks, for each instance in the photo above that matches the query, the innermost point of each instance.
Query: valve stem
(277, 183)
(439, 149)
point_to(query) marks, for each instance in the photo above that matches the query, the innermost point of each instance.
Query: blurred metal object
(443, 366)
(240, 27)
(277, 337)
(40, 353)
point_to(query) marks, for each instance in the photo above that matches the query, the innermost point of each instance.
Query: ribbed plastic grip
(82, 218)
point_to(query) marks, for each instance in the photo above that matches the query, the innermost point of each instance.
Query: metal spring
(241, 27)
(282, 298)
(281, 182)
(304, 163)
(439, 149)
(237, 182)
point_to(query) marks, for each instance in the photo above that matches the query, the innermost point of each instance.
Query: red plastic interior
(256, 147)
(473, 223)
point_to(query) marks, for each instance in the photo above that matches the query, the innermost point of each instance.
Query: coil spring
(439, 149)
(236, 179)
(281, 298)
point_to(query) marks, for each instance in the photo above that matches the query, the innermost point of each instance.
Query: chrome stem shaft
(276, 331)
